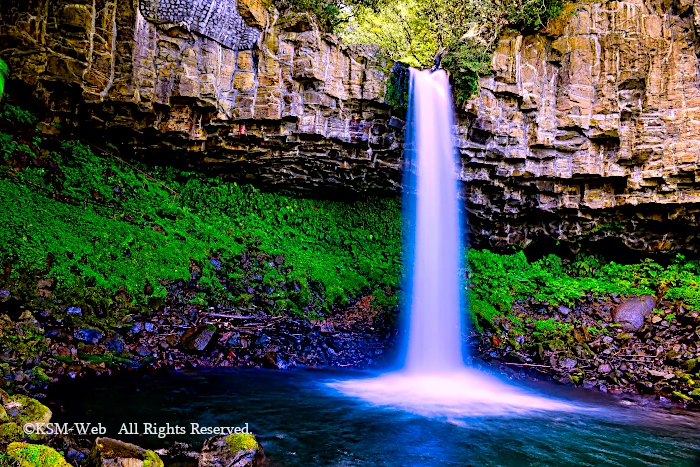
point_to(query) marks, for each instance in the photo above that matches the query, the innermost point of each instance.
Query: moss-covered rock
(22, 409)
(34, 455)
(241, 442)
(10, 432)
(3, 414)
(151, 459)
(110, 452)
(682, 396)
(241, 450)
(41, 375)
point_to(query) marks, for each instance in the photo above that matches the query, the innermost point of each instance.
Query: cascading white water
(433, 259)
(434, 380)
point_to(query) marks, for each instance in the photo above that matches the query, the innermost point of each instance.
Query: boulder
(109, 452)
(34, 455)
(198, 337)
(22, 409)
(631, 313)
(236, 450)
(10, 432)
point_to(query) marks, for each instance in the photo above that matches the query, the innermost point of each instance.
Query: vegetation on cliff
(462, 32)
(97, 226)
(332, 15)
(3, 76)
(85, 229)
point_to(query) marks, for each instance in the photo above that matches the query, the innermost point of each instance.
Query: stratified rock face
(590, 129)
(224, 85)
(587, 130)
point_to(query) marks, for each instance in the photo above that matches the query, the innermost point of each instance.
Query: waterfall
(434, 380)
(433, 249)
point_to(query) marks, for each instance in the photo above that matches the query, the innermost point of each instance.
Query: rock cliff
(223, 85)
(586, 130)
(590, 129)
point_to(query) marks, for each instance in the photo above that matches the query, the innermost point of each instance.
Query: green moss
(109, 359)
(695, 394)
(691, 365)
(551, 326)
(35, 455)
(576, 379)
(500, 280)
(107, 227)
(41, 375)
(3, 414)
(241, 442)
(682, 396)
(23, 409)
(10, 432)
(482, 312)
(151, 459)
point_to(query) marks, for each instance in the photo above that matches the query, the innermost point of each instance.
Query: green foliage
(34, 455)
(98, 226)
(403, 30)
(330, 14)
(397, 88)
(499, 280)
(481, 312)
(15, 114)
(532, 15)
(466, 60)
(4, 71)
(463, 32)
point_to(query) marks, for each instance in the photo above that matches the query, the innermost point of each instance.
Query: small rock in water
(604, 369)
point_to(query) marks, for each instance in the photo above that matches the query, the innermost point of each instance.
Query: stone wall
(590, 129)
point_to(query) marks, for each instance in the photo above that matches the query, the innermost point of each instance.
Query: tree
(463, 33)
